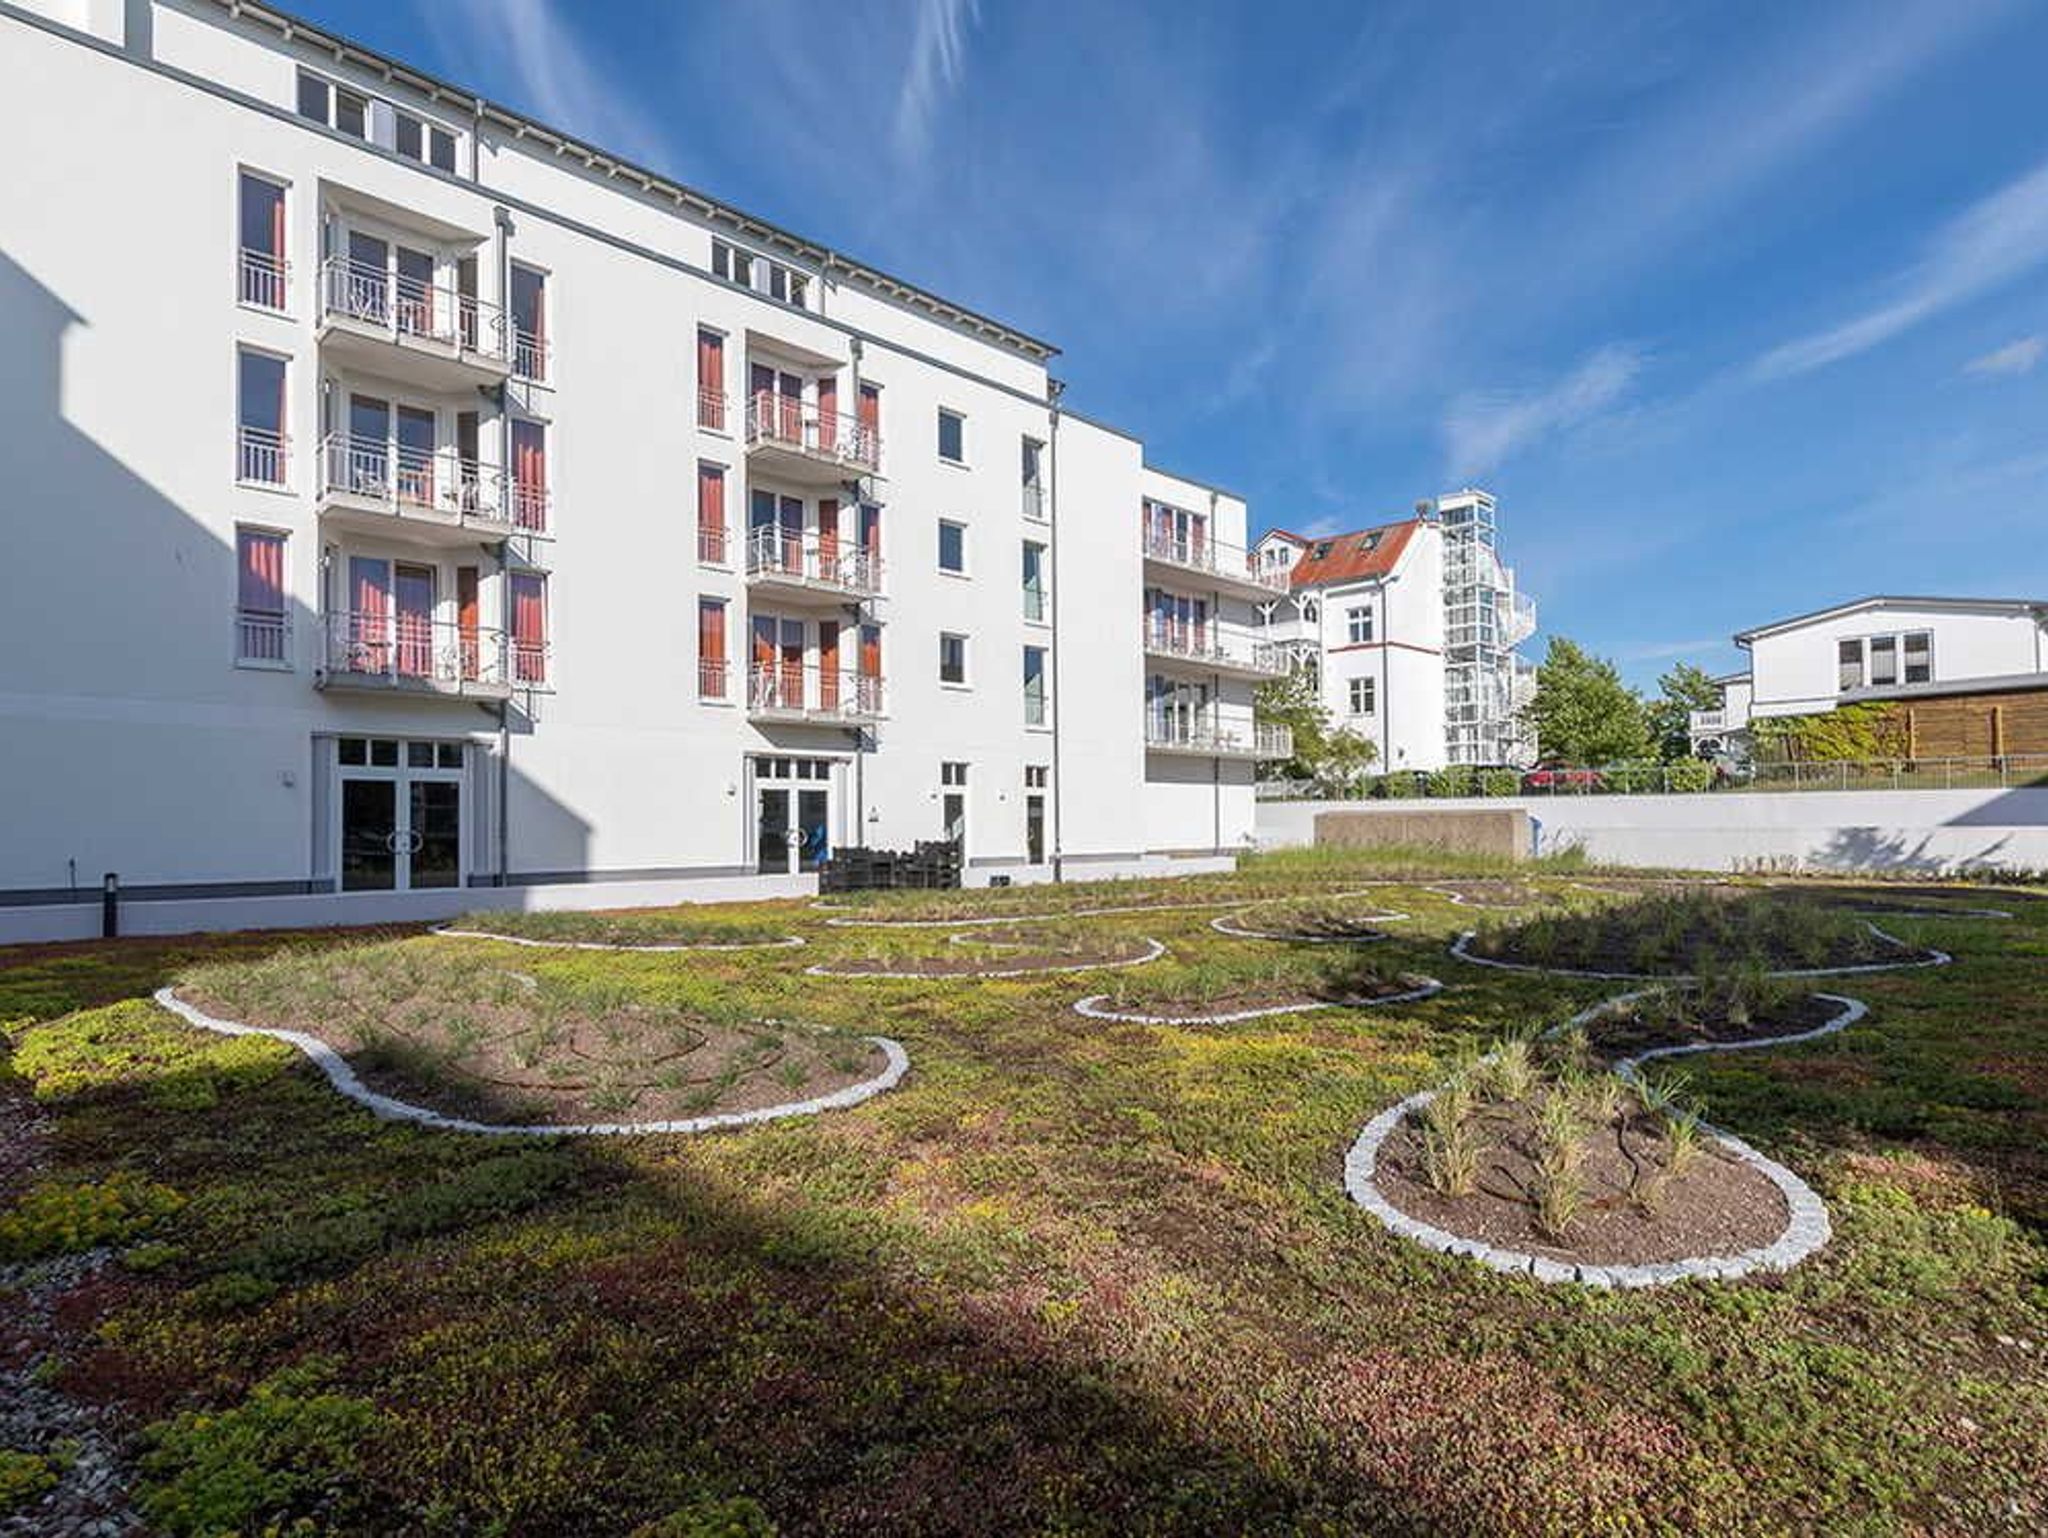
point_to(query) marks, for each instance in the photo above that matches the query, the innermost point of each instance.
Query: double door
(400, 831)
(792, 814)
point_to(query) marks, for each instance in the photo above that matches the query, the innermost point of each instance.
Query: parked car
(1549, 778)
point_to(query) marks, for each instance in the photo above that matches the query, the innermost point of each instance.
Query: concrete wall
(1501, 832)
(1924, 830)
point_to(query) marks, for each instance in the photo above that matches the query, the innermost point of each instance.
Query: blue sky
(1741, 309)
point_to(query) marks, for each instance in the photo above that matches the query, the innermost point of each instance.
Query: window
(711, 514)
(869, 424)
(1034, 776)
(337, 106)
(1363, 696)
(952, 546)
(529, 593)
(1920, 657)
(952, 774)
(1034, 582)
(262, 623)
(775, 279)
(1175, 534)
(314, 98)
(1849, 664)
(1034, 478)
(1358, 623)
(529, 475)
(953, 802)
(1884, 660)
(260, 448)
(711, 662)
(261, 267)
(1311, 611)
(425, 142)
(529, 323)
(1034, 686)
(952, 658)
(952, 437)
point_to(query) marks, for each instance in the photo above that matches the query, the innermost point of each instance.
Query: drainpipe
(1053, 391)
(504, 790)
(860, 734)
(501, 220)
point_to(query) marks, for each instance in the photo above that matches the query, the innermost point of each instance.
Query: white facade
(364, 475)
(1412, 629)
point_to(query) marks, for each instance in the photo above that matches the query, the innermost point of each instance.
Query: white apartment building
(1882, 647)
(1412, 629)
(412, 507)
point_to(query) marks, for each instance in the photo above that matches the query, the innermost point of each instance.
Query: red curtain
(828, 663)
(466, 616)
(828, 413)
(828, 538)
(262, 564)
(711, 648)
(529, 628)
(710, 380)
(530, 476)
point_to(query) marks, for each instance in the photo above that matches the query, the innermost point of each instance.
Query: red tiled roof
(1354, 557)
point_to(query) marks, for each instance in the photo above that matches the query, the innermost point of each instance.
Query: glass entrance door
(777, 854)
(793, 803)
(369, 835)
(400, 816)
(811, 821)
(433, 846)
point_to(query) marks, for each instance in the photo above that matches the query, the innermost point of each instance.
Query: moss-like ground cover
(1072, 1276)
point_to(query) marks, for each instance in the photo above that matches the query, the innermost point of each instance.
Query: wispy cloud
(938, 61)
(1482, 429)
(1994, 241)
(1667, 651)
(2018, 357)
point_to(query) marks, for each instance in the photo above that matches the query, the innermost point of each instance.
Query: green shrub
(62, 1217)
(1636, 778)
(23, 1477)
(737, 1517)
(1453, 780)
(1500, 782)
(1689, 775)
(289, 1453)
(1399, 786)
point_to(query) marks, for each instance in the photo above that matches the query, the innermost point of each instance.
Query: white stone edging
(1462, 901)
(1223, 926)
(1092, 1008)
(785, 943)
(1461, 949)
(1065, 913)
(345, 1080)
(1807, 1227)
(1154, 950)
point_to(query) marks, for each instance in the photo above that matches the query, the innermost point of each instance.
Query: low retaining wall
(1502, 832)
(1905, 831)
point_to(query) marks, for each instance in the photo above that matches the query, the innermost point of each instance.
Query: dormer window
(780, 282)
(376, 121)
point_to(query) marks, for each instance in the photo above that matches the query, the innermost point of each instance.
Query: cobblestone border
(1092, 1008)
(1461, 949)
(785, 943)
(821, 969)
(1807, 1227)
(344, 1079)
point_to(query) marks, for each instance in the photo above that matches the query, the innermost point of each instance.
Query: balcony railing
(712, 409)
(263, 280)
(403, 478)
(1035, 605)
(714, 678)
(531, 355)
(407, 308)
(404, 651)
(789, 691)
(714, 546)
(1192, 643)
(1198, 553)
(1264, 741)
(785, 422)
(774, 555)
(261, 456)
(1034, 501)
(263, 636)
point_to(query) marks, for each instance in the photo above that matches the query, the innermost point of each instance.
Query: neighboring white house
(1879, 648)
(1412, 629)
(406, 497)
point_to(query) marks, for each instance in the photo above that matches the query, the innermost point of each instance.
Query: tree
(1679, 693)
(1333, 756)
(1582, 713)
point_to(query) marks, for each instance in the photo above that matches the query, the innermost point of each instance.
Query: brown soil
(1496, 894)
(507, 1063)
(1312, 925)
(985, 952)
(1614, 950)
(1898, 899)
(1630, 1029)
(1716, 1206)
(1267, 996)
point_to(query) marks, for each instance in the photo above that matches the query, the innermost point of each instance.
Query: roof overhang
(2035, 606)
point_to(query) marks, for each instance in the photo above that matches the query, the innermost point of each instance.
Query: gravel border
(785, 943)
(822, 969)
(1092, 1008)
(344, 1079)
(1461, 948)
(1807, 1227)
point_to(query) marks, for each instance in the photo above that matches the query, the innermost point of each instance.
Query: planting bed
(997, 953)
(626, 929)
(1496, 894)
(1310, 921)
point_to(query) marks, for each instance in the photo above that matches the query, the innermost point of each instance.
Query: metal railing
(712, 407)
(1265, 740)
(263, 635)
(404, 650)
(261, 456)
(714, 677)
(1192, 643)
(532, 356)
(713, 546)
(262, 279)
(774, 553)
(1205, 555)
(1034, 501)
(784, 421)
(1709, 720)
(1035, 604)
(1695, 777)
(406, 307)
(795, 691)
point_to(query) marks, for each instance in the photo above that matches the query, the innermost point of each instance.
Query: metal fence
(1685, 777)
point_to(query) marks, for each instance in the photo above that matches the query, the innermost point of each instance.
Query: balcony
(439, 336)
(1200, 740)
(433, 493)
(1173, 559)
(801, 566)
(1712, 723)
(430, 657)
(1518, 619)
(790, 692)
(799, 443)
(1190, 649)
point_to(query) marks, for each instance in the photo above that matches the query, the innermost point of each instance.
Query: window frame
(947, 413)
(966, 678)
(1368, 687)
(1361, 624)
(283, 433)
(284, 662)
(1043, 717)
(956, 527)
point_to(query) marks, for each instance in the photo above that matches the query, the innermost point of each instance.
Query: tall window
(1358, 624)
(1849, 664)
(529, 323)
(711, 514)
(529, 591)
(952, 658)
(1920, 657)
(952, 437)
(1034, 478)
(260, 449)
(1364, 696)
(261, 620)
(261, 269)
(711, 659)
(1884, 660)
(953, 802)
(1034, 686)
(529, 475)
(952, 546)
(869, 421)
(1034, 581)
(711, 380)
